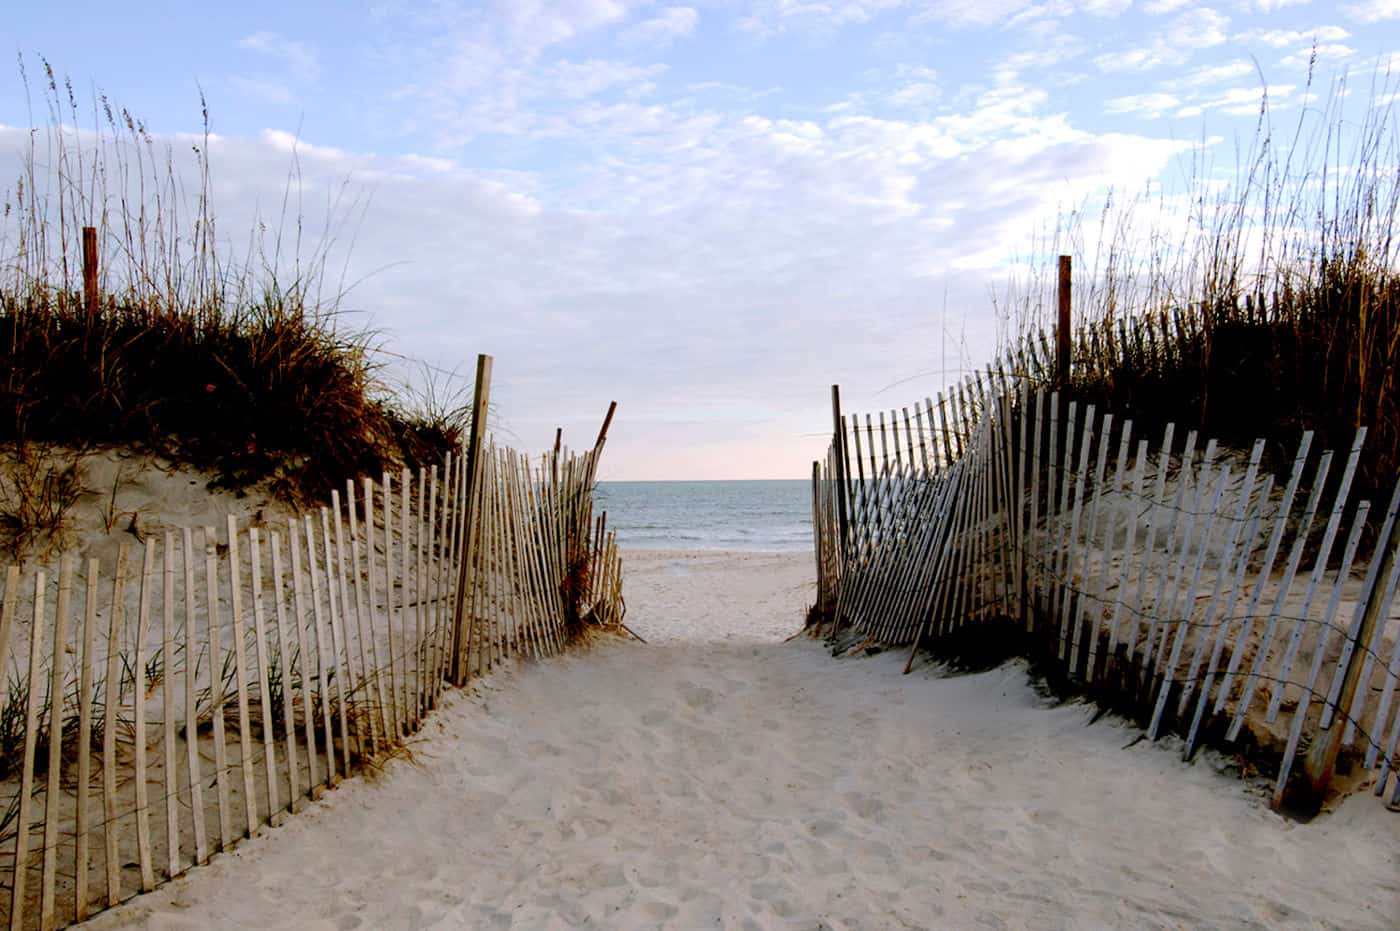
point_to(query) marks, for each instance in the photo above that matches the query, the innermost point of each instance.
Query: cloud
(1215, 74)
(773, 17)
(663, 29)
(1150, 106)
(1373, 11)
(1308, 57)
(300, 60)
(272, 91)
(1198, 28)
(568, 80)
(966, 13)
(1283, 38)
(1246, 101)
(1106, 9)
(1133, 59)
(532, 25)
(1162, 7)
(1189, 32)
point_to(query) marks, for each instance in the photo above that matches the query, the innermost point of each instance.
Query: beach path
(726, 779)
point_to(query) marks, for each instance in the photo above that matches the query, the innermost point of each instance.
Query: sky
(709, 212)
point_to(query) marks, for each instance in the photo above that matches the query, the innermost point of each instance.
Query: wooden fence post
(818, 543)
(1063, 328)
(90, 269)
(838, 444)
(480, 400)
(1321, 761)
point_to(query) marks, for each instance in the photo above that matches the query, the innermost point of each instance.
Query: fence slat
(299, 625)
(339, 659)
(82, 853)
(167, 711)
(384, 712)
(143, 807)
(238, 626)
(192, 763)
(116, 626)
(285, 666)
(216, 686)
(48, 918)
(260, 656)
(387, 522)
(323, 673)
(31, 736)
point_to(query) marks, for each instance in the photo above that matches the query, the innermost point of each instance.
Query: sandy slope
(750, 784)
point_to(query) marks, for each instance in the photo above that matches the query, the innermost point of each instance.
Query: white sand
(712, 779)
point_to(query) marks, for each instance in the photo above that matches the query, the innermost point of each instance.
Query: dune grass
(244, 365)
(1258, 305)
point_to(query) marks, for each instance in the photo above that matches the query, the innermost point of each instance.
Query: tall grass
(1255, 305)
(231, 359)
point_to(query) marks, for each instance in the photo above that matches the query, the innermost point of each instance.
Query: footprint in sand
(865, 806)
(697, 696)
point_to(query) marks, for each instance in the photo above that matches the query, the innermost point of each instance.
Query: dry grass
(38, 487)
(241, 366)
(1258, 307)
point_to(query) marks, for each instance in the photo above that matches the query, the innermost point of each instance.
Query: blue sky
(708, 211)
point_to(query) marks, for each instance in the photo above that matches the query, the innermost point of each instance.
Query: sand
(720, 777)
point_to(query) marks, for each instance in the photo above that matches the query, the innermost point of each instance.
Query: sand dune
(721, 778)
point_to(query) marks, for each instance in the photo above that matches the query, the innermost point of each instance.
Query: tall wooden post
(90, 270)
(1320, 764)
(465, 578)
(607, 422)
(1063, 328)
(838, 445)
(598, 445)
(818, 533)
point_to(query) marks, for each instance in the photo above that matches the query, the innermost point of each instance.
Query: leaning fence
(214, 680)
(1184, 581)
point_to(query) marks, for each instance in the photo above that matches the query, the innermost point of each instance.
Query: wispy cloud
(275, 92)
(665, 28)
(1151, 106)
(1189, 32)
(299, 59)
(1373, 11)
(1216, 74)
(1283, 38)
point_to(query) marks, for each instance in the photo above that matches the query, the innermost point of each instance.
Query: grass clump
(1261, 306)
(241, 366)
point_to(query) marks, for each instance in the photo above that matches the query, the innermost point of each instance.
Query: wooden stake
(264, 688)
(143, 808)
(1063, 329)
(237, 626)
(116, 626)
(298, 621)
(31, 737)
(91, 297)
(85, 696)
(284, 659)
(167, 711)
(192, 759)
(480, 401)
(53, 791)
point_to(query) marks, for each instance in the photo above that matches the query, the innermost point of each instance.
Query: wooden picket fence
(215, 680)
(1176, 578)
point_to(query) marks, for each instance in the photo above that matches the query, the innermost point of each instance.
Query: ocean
(758, 516)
